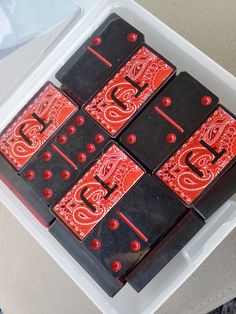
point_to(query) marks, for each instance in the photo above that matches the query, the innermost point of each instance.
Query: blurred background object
(23, 20)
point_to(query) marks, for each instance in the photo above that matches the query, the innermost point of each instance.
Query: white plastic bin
(185, 57)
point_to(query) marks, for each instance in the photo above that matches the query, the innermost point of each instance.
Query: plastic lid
(23, 20)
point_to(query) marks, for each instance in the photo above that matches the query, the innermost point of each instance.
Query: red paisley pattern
(143, 67)
(219, 132)
(115, 168)
(50, 104)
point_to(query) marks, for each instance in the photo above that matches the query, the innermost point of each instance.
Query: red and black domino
(129, 89)
(35, 123)
(99, 56)
(93, 195)
(202, 159)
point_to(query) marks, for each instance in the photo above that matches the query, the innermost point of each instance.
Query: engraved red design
(114, 168)
(49, 105)
(143, 68)
(219, 132)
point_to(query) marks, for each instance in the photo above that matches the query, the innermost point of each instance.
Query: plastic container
(185, 57)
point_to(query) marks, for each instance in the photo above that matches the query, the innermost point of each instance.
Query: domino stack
(125, 161)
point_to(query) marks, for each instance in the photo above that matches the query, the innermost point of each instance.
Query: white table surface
(30, 281)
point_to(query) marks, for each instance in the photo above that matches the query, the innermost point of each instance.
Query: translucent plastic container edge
(216, 228)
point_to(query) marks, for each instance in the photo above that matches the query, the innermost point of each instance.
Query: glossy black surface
(160, 256)
(15, 183)
(151, 209)
(151, 129)
(80, 254)
(84, 73)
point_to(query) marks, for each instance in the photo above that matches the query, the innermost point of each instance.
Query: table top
(31, 282)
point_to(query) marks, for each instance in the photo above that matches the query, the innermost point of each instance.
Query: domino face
(123, 237)
(129, 89)
(165, 250)
(203, 158)
(103, 185)
(65, 156)
(99, 57)
(40, 118)
(168, 120)
(77, 250)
